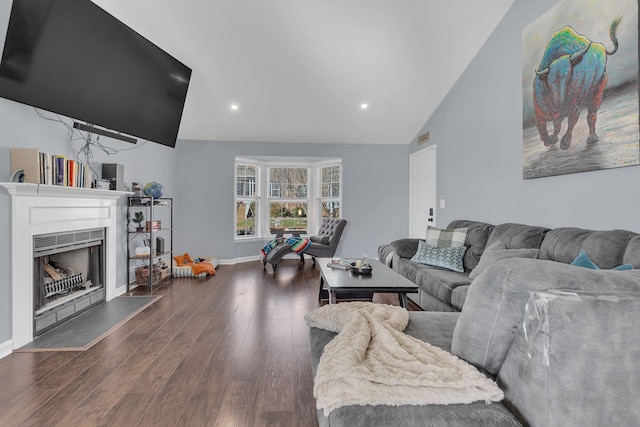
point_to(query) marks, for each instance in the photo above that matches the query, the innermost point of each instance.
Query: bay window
(274, 197)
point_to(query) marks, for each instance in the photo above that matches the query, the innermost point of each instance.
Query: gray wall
(375, 194)
(478, 132)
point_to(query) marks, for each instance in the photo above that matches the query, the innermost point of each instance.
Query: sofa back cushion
(518, 236)
(632, 253)
(605, 248)
(476, 240)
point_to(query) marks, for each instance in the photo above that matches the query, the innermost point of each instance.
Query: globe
(153, 189)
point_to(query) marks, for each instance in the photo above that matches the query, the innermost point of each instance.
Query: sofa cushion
(446, 238)
(497, 251)
(405, 248)
(605, 248)
(449, 258)
(477, 235)
(632, 252)
(496, 300)
(437, 282)
(517, 236)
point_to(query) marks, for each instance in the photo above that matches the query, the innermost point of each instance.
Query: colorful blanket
(298, 245)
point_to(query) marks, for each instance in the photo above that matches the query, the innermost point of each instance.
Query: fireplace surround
(37, 210)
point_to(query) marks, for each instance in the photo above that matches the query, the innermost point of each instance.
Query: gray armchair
(325, 243)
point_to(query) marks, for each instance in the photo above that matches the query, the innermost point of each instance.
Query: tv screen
(72, 58)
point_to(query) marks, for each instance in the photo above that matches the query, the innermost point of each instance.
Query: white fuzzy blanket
(372, 362)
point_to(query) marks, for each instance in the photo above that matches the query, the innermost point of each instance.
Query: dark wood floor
(230, 350)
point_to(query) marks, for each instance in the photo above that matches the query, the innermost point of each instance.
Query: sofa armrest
(575, 359)
(497, 297)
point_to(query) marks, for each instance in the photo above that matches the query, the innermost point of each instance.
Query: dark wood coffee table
(381, 280)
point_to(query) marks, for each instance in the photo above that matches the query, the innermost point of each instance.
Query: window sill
(251, 239)
(262, 238)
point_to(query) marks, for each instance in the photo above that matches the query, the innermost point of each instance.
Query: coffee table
(381, 280)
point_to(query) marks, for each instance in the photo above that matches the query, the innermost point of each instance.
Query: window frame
(328, 199)
(247, 199)
(263, 192)
(279, 199)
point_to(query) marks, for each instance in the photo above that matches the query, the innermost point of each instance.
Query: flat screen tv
(73, 58)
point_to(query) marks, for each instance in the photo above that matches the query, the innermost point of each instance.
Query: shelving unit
(154, 210)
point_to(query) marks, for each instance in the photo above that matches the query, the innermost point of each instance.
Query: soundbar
(103, 132)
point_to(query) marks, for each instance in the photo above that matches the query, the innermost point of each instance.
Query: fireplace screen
(68, 275)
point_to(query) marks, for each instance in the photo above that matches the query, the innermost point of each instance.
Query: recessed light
(234, 106)
(364, 106)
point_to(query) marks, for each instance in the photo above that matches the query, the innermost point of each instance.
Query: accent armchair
(325, 243)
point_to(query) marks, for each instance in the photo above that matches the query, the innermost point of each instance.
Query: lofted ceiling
(299, 70)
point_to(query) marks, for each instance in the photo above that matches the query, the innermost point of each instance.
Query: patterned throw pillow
(449, 258)
(583, 260)
(446, 238)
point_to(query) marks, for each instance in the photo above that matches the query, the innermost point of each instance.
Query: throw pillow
(446, 238)
(497, 251)
(583, 260)
(449, 258)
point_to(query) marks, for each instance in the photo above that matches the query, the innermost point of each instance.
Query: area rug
(87, 329)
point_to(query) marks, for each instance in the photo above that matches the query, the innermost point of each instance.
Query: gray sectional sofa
(446, 290)
(560, 340)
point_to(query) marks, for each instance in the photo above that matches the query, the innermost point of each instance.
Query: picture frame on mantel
(580, 88)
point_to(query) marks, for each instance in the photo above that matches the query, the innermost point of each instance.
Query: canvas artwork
(580, 88)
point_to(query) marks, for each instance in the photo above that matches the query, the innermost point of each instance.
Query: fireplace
(40, 213)
(68, 276)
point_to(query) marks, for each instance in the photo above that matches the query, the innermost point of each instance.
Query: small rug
(87, 329)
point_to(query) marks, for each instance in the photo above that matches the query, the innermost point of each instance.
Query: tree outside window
(288, 199)
(247, 213)
(330, 191)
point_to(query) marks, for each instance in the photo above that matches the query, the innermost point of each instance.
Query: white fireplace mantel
(39, 209)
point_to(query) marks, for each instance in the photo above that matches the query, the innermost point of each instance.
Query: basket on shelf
(160, 271)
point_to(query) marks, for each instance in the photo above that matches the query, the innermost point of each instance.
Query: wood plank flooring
(230, 350)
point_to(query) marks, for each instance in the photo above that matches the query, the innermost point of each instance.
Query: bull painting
(572, 75)
(580, 88)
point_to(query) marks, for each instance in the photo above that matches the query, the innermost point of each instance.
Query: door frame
(419, 158)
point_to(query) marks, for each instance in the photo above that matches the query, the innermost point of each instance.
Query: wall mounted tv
(73, 58)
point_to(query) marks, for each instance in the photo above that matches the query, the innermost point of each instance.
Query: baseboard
(121, 290)
(239, 260)
(6, 348)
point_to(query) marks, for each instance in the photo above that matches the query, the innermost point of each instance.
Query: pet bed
(183, 266)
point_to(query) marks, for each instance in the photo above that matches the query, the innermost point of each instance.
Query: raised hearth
(43, 209)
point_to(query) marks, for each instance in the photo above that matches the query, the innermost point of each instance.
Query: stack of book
(157, 225)
(340, 263)
(43, 168)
